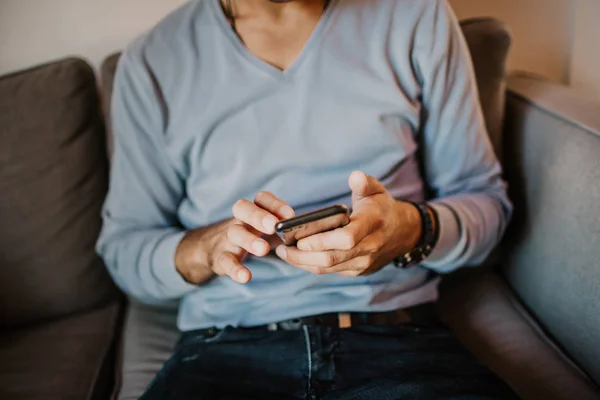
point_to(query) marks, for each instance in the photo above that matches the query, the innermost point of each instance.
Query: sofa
(532, 313)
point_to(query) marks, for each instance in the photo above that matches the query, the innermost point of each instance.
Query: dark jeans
(368, 362)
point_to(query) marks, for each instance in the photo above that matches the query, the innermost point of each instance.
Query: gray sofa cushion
(489, 43)
(150, 336)
(107, 76)
(551, 252)
(486, 316)
(53, 179)
(553, 247)
(67, 359)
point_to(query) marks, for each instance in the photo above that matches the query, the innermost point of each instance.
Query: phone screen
(294, 229)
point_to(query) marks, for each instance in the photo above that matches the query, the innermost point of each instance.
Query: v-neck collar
(251, 57)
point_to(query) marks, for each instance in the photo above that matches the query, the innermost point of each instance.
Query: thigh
(410, 363)
(150, 336)
(234, 364)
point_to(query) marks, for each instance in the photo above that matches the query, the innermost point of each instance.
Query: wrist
(426, 235)
(192, 257)
(411, 227)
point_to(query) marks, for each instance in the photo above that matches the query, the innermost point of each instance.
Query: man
(232, 115)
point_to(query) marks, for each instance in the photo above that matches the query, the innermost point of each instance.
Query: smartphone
(327, 219)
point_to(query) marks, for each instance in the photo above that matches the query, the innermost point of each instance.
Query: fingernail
(280, 251)
(269, 223)
(286, 212)
(243, 276)
(260, 246)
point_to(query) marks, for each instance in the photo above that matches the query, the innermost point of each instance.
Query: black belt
(423, 316)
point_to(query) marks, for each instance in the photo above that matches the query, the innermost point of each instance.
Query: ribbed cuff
(163, 266)
(450, 240)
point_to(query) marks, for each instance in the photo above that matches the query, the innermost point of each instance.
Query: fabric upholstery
(107, 76)
(60, 360)
(552, 143)
(53, 179)
(150, 336)
(489, 43)
(485, 315)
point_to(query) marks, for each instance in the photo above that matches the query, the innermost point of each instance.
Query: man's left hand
(381, 228)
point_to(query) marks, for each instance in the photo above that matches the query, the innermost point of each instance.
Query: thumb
(363, 185)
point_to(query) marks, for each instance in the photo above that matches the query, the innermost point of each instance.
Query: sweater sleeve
(460, 165)
(140, 226)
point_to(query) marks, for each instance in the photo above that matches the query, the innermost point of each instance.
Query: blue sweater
(201, 122)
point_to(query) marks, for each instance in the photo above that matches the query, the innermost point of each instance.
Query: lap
(359, 363)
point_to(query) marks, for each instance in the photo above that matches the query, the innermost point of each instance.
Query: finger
(355, 266)
(251, 214)
(350, 274)
(345, 238)
(274, 205)
(363, 185)
(248, 239)
(228, 264)
(352, 268)
(325, 259)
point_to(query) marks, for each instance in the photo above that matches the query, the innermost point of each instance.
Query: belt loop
(344, 320)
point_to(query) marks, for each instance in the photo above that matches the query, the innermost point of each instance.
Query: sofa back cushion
(489, 43)
(552, 163)
(53, 179)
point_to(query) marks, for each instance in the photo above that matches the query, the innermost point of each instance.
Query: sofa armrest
(552, 247)
(534, 321)
(485, 315)
(561, 101)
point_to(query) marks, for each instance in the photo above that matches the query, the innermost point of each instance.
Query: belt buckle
(344, 320)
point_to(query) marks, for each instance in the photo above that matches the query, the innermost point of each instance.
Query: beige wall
(541, 31)
(34, 31)
(585, 63)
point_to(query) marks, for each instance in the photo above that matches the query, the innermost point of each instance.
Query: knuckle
(365, 262)
(232, 232)
(219, 262)
(193, 276)
(238, 207)
(262, 195)
(370, 259)
(330, 259)
(348, 241)
(377, 218)
(374, 246)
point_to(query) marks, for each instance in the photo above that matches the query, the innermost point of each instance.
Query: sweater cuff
(450, 241)
(163, 266)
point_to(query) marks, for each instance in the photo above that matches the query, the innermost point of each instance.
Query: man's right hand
(221, 248)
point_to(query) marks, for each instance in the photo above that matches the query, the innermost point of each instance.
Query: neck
(274, 9)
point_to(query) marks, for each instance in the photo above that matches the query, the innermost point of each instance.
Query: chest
(308, 123)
